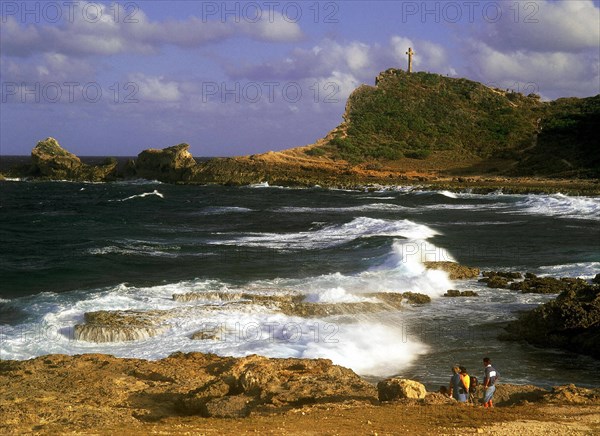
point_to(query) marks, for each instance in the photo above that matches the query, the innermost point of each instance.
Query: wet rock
(571, 321)
(208, 296)
(547, 285)
(416, 298)
(496, 282)
(394, 299)
(596, 279)
(212, 332)
(457, 293)
(119, 326)
(397, 388)
(510, 275)
(455, 271)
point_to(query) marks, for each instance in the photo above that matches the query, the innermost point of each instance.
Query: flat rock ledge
(295, 305)
(55, 394)
(119, 326)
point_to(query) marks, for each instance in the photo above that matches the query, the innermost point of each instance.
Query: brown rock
(455, 271)
(457, 293)
(50, 161)
(119, 325)
(237, 406)
(397, 388)
(171, 164)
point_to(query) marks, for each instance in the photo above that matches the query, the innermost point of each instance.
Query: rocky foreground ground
(205, 394)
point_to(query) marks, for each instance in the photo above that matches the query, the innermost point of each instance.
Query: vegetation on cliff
(419, 114)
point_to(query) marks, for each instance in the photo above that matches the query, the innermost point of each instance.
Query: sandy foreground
(197, 393)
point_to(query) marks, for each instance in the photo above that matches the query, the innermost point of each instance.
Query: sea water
(72, 248)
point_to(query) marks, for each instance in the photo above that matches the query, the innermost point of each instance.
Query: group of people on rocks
(462, 385)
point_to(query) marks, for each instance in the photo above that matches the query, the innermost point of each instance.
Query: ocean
(71, 248)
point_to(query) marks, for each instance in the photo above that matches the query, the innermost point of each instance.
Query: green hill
(419, 115)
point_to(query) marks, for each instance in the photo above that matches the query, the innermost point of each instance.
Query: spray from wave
(369, 343)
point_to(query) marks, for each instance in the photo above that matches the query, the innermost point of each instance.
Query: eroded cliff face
(172, 164)
(50, 161)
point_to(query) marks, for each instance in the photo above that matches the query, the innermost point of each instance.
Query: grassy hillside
(421, 115)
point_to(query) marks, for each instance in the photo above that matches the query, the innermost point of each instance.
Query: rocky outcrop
(295, 305)
(531, 284)
(257, 382)
(455, 271)
(119, 326)
(547, 285)
(571, 321)
(397, 388)
(172, 164)
(457, 293)
(101, 394)
(52, 162)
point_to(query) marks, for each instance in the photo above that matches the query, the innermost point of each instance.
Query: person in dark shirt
(489, 382)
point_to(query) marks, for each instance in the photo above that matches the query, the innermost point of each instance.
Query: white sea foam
(561, 206)
(136, 248)
(585, 270)
(145, 194)
(335, 235)
(383, 207)
(219, 210)
(361, 342)
(448, 194)
(138, 182)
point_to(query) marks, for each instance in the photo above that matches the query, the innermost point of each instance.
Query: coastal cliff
(418, 128)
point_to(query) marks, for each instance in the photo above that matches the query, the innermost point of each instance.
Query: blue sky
(233, 78)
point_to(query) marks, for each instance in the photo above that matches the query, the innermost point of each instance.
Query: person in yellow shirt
(465, 380)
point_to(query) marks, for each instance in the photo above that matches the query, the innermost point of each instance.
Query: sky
(236, 78)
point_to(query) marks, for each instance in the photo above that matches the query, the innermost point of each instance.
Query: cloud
(362, 61)
(550, 74)
(108, 33)
(156, 88)
(273, 28)
(545, 26)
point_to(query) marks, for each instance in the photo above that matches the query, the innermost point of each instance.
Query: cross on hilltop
(410, 54)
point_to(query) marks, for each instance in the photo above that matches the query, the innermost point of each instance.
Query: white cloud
(273, 28)
(112, 34)
(156, 88)
(551, 74)
(546, 26)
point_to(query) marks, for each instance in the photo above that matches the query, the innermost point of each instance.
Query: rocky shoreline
(94, 392)
(193, 391)
(290, 168)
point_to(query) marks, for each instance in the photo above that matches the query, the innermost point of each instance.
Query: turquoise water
(68, 248)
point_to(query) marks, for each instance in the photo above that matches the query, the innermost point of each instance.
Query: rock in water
(171, 164)
(397, 388)
(455, 271)
(50, 161)
(571, 321)
(118, 326)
